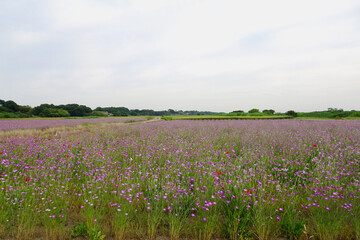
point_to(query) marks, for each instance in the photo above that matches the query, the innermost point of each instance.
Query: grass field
(263, 179)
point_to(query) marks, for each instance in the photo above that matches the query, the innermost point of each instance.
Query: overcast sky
(217, 55)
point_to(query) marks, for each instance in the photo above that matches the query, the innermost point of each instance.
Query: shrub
(291, 113)
(254, 110)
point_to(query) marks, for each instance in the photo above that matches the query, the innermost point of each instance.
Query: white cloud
(215, 55)
(24, 38)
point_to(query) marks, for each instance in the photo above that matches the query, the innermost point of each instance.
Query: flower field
(211, 179)
(49, 123)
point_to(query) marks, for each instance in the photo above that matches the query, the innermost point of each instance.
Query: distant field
(263, 179)
(34, 123)
(214, 117)
(319, 118)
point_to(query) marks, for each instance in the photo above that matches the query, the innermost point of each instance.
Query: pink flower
(204, 219)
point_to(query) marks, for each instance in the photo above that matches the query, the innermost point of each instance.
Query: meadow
(16, 124)
(209, 179)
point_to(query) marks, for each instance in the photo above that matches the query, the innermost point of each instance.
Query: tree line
(329, 113)
(10, 109)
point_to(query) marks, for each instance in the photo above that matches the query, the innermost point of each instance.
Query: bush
(99, 114)
(254, 110)
(53, 112)
(167, 118)
(291, 113)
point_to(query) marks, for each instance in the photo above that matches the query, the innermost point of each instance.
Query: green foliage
(291, 113)
(354, 113)
(79, 231)
(327, 225)
(237, 218)
(50, 110)
(268, 111)
(331, 113)
(39, 109)
(95, 234)
(25, 109)
(53, 112)
(237, 113)
(292, 226)
(76, 109)
(99, 114)
(115, 111)
(14, 115)
(4, 109)
(254, 110)
(11, 105)
(167, 118)
(259, 114)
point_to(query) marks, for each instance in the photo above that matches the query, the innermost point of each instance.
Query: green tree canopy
(254, 110)
(269, 111)
(291, 113)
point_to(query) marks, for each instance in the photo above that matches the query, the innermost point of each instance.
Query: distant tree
(11, 105)
(291, 113)
(171, 112)
(39, 109)
(4, 109)
(116, 111)
(25, 109)
(76, 110)
(54, 112)
(147, 112)
(99, 113)
(164, 113)
(134, 112)
(254, 110)
(269, 111)
(2, 102)
(237, 113)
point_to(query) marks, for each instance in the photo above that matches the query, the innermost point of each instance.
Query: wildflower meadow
(183, 179)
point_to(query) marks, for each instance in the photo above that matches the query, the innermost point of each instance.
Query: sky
(214, 55)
